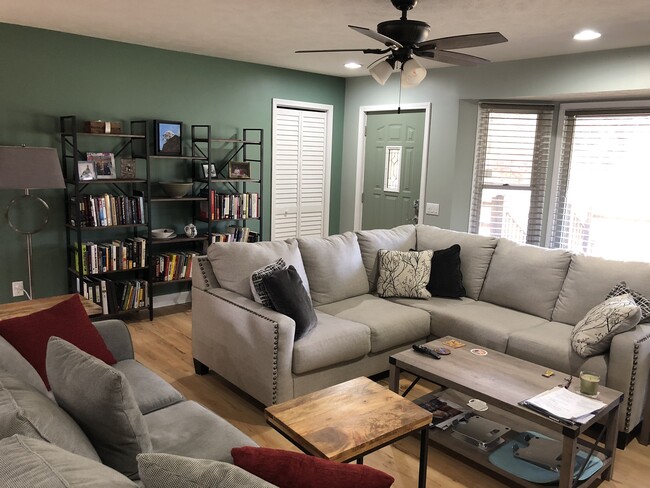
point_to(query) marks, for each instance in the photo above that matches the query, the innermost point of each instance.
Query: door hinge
(362, 197)
(365, 130)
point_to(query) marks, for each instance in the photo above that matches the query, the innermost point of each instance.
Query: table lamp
(26, 168)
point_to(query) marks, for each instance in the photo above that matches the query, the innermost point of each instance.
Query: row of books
(235, 234)
(115, 296)
(111, 256)
(172, 266)
(107, 210)
(230, 206)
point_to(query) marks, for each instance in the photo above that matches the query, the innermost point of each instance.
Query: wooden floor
(165, 346)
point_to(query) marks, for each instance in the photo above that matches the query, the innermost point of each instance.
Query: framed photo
(209, 169)
(127, 168)
(239, 170)
(86, 170)
(104, 165)
(169, 138)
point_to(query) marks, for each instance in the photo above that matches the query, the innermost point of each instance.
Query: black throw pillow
(446, 278)
(289, 297)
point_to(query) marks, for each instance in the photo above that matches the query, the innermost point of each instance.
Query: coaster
(443, 351)
(478, 352)
(454, 343)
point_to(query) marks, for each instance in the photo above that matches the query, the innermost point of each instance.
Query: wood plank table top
(347, 421)
(26, 307)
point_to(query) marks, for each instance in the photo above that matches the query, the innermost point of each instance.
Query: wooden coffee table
(502, 382)
(348, 421)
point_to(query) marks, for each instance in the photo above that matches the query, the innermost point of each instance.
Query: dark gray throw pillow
(643, 303)
(288, 296)
(446, 277)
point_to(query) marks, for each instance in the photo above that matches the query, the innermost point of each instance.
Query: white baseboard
(172, 299)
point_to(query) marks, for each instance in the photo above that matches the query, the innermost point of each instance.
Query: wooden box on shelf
(102, 127)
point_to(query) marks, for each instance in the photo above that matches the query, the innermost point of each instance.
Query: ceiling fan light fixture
(412, 73)
(352, 65)
(587, 35)
(381, 71)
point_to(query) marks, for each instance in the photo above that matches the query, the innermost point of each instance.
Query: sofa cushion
(643, 302)
(188, 429)
(390, 324)
(590, 279)
(260, 295)
(525, 278)
(333, 341)
(446, 276)
(151, 392)
(159, 470)
(98, 397)
(13, 362)
(404, 273)
(234, 262)
(296, 470)
(29, 334)
(334, 267)
(549, 345)
(475, 253)
(33, 463)
(594, 333)
(400, 238)
(27, 411)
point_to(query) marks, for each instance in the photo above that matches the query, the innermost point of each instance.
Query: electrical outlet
(17, 288)
(433, 209)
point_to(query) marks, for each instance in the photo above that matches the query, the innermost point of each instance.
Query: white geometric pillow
(260, 295)
(593, 334)
(404, 273)
(643, 303)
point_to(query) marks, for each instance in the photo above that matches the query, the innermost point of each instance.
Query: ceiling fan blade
(392, 43)
(460, 42)
(364, 51)
(451, 57)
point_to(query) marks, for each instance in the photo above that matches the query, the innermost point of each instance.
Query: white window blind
(602, 207)
(510, 170)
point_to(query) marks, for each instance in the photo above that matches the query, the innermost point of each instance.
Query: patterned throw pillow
(404, 273)
(260, 295)
(593, 334)
(643, 303)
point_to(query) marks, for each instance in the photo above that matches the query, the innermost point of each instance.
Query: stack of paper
(564, 404)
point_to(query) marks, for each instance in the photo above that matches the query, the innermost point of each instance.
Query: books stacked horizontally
(115, 296)
(111, 256)
(171, 266)
(107, 210)
(224, 206)
(444, 413)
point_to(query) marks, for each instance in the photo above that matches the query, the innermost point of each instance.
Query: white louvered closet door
(300, 149)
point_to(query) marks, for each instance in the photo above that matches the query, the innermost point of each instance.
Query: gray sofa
(175, 425)
(522, 300)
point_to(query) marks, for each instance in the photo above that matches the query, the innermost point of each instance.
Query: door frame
(361, 153)
(314, 107)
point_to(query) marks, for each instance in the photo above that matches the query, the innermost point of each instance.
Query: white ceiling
(269, 31)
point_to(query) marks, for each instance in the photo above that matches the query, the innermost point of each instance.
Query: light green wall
(46, 74)
(454, 92)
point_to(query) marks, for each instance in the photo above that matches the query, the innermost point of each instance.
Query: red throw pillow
(68, 320)
(288, 469)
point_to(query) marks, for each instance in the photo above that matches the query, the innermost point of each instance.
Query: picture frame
(127, 168)
(104, 164)
(169, 138)
(211, 172)
(86, 170)
(239, 170)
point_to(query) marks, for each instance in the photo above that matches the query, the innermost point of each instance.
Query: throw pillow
(26, 411)
(593, 334)
(12, 362)
(446, 277)
(295, 470)
(165, 470)
(289, 297)
(260, 295)
(643, 302)
(68, 320)
(404, 273)
(99, 398)
(34, 463)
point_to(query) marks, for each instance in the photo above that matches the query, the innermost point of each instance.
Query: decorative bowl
(162, 233)
(176, 189)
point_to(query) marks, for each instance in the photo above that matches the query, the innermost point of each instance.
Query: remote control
(425, 350)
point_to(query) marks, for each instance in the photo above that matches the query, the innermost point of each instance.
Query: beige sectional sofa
(522, 300)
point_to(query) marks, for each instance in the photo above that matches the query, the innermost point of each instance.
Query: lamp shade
(29, 167)
(381, 71)
(412, 73)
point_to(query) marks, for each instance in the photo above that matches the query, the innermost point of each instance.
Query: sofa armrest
(117, 338)
(246, 343)
(203, 277)
(628, 371)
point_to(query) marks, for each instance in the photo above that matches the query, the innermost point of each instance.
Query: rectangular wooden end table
(503, 382)
(348, 421)
(26, 307)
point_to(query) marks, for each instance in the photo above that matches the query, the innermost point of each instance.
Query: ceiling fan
(405, 38)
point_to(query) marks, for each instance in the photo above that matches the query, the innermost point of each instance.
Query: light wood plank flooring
(165, 346)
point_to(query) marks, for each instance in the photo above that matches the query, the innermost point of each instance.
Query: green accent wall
(47, 74)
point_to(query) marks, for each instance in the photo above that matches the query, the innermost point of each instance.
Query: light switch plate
(433, 209)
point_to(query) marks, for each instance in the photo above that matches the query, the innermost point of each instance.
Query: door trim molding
(361, 153)
(315, 107)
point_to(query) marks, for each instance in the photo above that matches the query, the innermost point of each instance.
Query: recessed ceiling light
(352, 65)
(587, 35)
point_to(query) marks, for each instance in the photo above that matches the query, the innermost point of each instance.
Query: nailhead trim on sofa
(630, 393)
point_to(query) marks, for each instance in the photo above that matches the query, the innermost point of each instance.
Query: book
(444, 412)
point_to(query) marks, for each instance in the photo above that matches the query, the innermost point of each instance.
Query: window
(602, 206)
(392, 168)
(510, 171)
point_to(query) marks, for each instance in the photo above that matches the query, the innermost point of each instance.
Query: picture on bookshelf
(127, 168)
(169, 138)
(86, 170)
(240, 170)
(209, 168)
(104, 164)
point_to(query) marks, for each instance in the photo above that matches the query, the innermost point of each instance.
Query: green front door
(392, 169)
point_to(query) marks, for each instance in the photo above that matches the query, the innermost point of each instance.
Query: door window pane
(392, 168)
